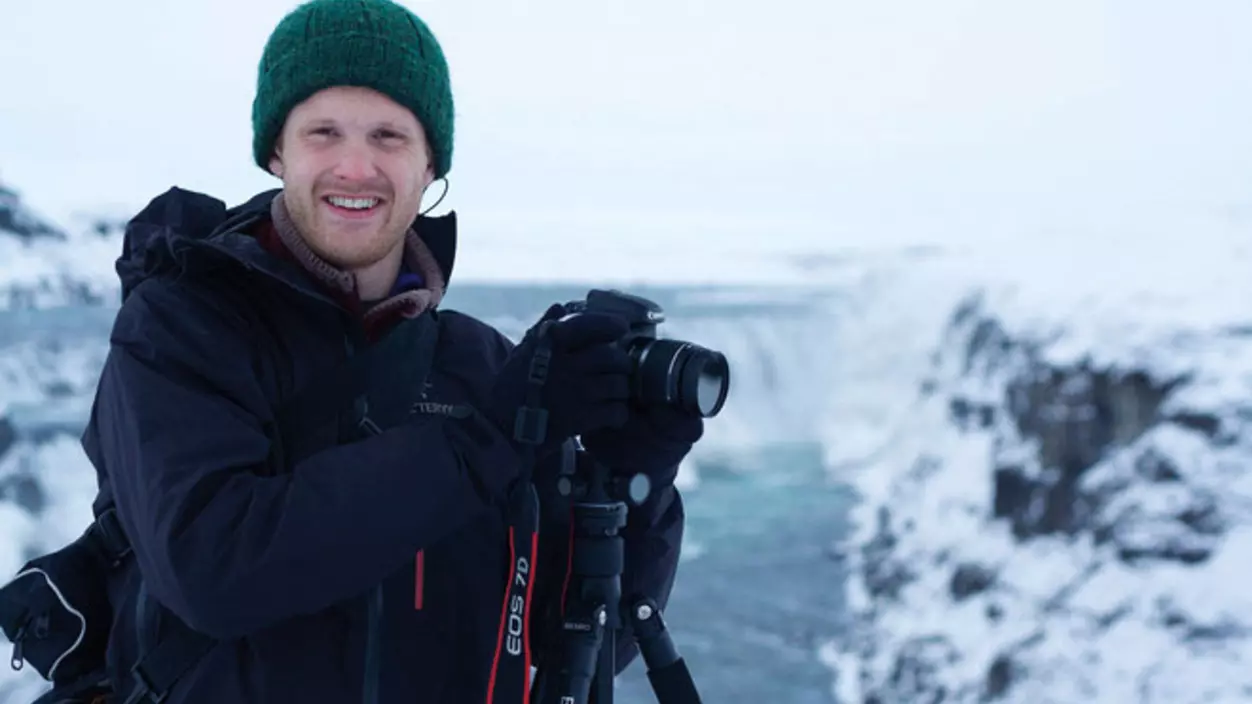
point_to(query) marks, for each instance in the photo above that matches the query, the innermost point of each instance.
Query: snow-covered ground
(1057, 506)
(1051, 440)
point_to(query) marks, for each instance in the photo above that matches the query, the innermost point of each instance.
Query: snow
(857, 181)
(866, 348)
(1076, 620)
(44, 271)
(66, 488)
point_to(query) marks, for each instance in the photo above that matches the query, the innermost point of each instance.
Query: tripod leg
(667, 671)
(571, 682)
(605, 673)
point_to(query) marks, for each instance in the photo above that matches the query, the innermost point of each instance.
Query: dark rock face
(25, 491)
(884, 574)
(1066, 504)
(1075, 417)
(17, 221)
(969, 579)
(8, 435)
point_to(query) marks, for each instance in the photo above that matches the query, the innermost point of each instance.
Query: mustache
(357, 190)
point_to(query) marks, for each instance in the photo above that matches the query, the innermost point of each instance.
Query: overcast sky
(803, 120)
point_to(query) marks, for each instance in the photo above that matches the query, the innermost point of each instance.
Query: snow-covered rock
(1076, 524)
(43, 264)
(16, 220)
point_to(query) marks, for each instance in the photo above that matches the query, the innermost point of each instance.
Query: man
(367, 558)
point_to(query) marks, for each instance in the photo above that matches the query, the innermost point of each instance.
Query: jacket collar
(233, 238)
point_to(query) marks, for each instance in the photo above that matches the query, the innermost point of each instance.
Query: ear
(276, 160)
(430, 165)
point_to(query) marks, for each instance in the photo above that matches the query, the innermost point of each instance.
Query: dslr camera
(665, 371)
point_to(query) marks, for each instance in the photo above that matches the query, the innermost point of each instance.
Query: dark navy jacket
(213, 333)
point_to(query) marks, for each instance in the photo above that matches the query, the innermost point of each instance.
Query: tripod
(594, 611)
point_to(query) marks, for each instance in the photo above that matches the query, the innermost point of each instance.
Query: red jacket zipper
(419, 580)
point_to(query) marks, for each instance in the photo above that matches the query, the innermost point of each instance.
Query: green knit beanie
(369, 43)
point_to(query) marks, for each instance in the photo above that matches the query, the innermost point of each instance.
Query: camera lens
(680, 374)
(704, 381)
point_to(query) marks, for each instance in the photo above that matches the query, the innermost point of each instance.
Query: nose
(356, 162)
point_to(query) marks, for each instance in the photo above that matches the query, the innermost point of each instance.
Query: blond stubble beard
(382, 242)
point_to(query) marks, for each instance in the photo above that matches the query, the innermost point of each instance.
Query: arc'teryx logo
(431, 408)
(434, 408)
(424, 405)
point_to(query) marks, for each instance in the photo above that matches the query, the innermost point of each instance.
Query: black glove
(652, 441)
(587, 384)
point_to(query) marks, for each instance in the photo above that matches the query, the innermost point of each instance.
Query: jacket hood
(183, 232)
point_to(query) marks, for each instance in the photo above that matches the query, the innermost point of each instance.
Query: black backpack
(56, 611)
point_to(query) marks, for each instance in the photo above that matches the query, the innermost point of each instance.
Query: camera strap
(510, 668)
(530, 425)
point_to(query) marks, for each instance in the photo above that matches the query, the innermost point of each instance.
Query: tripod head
(597, 485)
(593, 612)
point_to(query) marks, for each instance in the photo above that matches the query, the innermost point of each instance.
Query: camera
(664, 371)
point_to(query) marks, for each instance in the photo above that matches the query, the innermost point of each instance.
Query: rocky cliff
(1077, 526)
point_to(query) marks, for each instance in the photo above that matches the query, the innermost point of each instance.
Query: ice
(1143, 600)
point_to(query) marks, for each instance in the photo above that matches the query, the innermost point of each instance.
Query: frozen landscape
(996, 473)
(1064, 515)
(983, 271)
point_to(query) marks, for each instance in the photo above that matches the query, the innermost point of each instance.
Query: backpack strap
(108, 539)
(157, 670)
(179, 647)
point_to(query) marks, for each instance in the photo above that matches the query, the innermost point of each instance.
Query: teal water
(751, 609)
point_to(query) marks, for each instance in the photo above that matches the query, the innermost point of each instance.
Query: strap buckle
(145, 690)
(112, 538)
(530, 425)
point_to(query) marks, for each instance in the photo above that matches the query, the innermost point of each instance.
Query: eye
(390, 137)
(322, 132)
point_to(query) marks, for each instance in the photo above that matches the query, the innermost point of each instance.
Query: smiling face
(354, 166)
